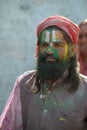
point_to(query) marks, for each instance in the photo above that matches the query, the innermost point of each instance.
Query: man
(54, 96)
(82, 42)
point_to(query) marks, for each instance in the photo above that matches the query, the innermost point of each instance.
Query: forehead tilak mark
(54, 35)
(47, 36)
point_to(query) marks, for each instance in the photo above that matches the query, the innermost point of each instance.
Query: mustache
(50, 55)
(44, 56)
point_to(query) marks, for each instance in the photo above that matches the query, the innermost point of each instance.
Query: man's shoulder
(26, 75)
(83, 77)
(27, 81)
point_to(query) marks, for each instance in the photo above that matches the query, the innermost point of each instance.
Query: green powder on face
(56, 55)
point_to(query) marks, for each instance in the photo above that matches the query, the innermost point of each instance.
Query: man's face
(53, 43)
(54, 56)
(83, 40)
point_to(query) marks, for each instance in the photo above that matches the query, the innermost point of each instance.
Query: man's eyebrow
(58, 41)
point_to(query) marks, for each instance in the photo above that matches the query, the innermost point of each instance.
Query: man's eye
(57, 44)
(80, 36)
(44, 45)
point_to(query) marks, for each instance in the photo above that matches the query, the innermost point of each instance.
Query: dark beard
(47, 70)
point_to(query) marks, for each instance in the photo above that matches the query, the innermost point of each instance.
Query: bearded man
(54, 96)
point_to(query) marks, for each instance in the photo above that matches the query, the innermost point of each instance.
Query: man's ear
(72, 50)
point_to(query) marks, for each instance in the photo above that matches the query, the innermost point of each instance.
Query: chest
(55, 111)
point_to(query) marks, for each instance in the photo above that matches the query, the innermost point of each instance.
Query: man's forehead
(51, 33)
(83, 28)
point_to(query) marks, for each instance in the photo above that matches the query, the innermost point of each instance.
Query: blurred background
(18, 22)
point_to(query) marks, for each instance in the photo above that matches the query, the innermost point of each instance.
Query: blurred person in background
(82, 43)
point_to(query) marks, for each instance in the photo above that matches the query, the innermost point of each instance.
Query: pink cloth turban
(65, 24)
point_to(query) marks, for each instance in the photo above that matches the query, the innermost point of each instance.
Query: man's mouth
(50, 58)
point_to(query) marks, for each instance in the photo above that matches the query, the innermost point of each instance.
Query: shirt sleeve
(11, 117)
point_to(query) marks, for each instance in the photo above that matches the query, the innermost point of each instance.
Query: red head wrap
(65, 24)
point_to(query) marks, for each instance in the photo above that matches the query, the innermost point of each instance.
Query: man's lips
(50, 58)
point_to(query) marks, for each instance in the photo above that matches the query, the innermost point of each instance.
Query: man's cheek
(41, 51)
(56, 54)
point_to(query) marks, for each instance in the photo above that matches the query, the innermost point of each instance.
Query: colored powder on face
(56, 55)
(50, 36)
(55, 52)
(66, 51)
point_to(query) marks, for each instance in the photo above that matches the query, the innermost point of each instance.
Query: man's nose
(50, 49)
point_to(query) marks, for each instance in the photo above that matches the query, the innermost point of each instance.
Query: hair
(84, 22)
(73, 77)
